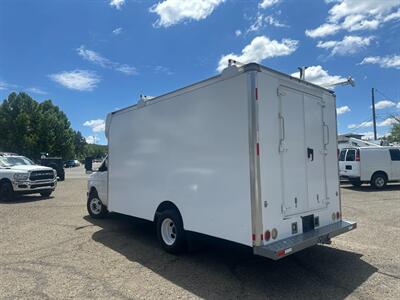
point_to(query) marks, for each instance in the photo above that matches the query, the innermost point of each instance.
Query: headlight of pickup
(21, 176)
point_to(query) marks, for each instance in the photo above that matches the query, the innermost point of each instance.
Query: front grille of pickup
(41, 175)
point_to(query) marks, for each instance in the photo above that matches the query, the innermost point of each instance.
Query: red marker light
(267, 235)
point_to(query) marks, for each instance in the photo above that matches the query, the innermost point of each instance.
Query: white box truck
(374, 165)
(248, 156)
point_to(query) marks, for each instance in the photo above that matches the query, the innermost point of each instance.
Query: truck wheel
(170, 232)
(379, 180)
(6, 191)
(95, 207)
(356, 182)
(45, 193)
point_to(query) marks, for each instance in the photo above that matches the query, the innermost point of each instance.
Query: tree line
(30, 128)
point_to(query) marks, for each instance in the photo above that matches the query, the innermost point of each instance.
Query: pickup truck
(19, 175)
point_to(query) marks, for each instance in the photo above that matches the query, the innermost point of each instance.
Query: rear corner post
(254, 157)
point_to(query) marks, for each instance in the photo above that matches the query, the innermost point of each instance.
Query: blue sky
(95, 56)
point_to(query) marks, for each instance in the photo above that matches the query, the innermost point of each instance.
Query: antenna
(302, 71)
(348, 81)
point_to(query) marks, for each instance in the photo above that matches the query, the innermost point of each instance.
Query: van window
(395, 154)
(351, 155)
(342, 155)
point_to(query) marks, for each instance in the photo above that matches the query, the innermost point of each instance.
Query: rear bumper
(299, 242)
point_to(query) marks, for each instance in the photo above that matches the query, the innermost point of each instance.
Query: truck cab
(20, 175)
(97, 189)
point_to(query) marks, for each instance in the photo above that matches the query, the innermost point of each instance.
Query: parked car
(248, 156)
(374, 165)
(55, 163)
(72, 163)
(20, 175)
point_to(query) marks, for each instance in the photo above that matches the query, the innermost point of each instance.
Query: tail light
(267, 235)
(338, 215)
(358, 155)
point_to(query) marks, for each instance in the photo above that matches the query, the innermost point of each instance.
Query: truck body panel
(243, 154)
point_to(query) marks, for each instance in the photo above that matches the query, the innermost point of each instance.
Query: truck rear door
(303, 136)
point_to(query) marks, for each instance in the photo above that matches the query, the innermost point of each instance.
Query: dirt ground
(50, 248)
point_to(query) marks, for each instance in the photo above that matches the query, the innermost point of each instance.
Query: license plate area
(308, 223)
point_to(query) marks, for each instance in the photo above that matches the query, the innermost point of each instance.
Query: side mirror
(89, 165)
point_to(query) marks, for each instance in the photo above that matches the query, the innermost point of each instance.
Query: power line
(382, 94)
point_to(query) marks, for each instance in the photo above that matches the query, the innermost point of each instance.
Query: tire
(170, 232)
(379, 180)
(6, 191)
(356, 182)
(62, 177)
(96, 208)
(46, 193)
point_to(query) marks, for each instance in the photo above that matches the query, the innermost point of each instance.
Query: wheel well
(380, 172)
(4, 180)
(93, 190)
(165, 206)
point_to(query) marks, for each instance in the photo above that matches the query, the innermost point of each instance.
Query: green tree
(394, 134)
(29, 128)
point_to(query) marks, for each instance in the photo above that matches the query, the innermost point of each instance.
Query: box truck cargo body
(249, 156)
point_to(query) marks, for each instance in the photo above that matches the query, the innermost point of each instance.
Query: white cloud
(104, 62)
(387, 122)
(349, 45)
(398, 105)
(81, 80)
(267, 3)
(392, 61)
(323, 30)
(274, 22)
(238, 32)
(260, 21)
(36, 90)
(259, 49)
(162, 70)
(384, 104)
(361, 125)
(97, 125)
(172, 12)
(117, 31)
(117, 3)
(319, 76)
(353, 15)
(91, 139)
(7, 86)
(384, 123)
(368, 7)
(342, 110)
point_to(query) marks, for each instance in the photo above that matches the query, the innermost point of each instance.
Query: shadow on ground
(367, 188)
(225, 270)
(25, 199)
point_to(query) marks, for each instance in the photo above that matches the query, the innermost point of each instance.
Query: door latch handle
(310, 154)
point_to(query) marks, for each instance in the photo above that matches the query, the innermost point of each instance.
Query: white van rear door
(302, 151)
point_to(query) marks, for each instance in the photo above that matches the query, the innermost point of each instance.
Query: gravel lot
(50, 248)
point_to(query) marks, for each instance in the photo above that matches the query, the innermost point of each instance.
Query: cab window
(104, 166)
(395, 154)
(351, 155)
(342, 155)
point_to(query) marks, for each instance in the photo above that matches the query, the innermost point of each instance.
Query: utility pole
(373, 112)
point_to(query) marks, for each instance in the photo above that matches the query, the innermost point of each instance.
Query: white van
(374, 165)
(248, 156)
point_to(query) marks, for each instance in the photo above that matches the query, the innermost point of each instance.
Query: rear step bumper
(299, 242)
